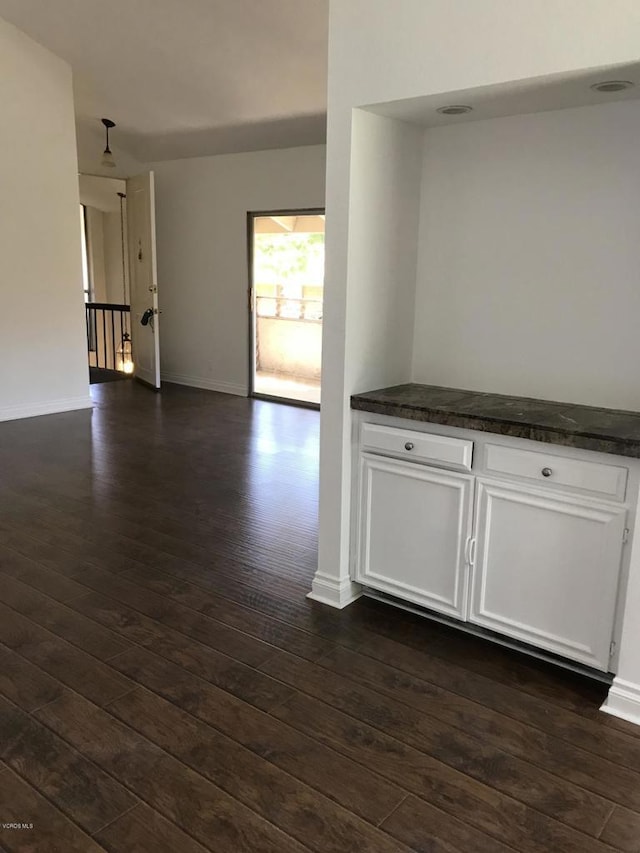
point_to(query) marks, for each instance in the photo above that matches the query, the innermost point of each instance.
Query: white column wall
(373, 317)
(43, 348)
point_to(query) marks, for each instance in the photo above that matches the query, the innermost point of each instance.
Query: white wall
(113, 270)
(383, 213)
(382, 50)
(94, 224)
(105, 256)
(100, 195)
(529, 256)
(201, 212)
(43, 350)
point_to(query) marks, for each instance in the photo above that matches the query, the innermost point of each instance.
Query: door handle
(146, 317)
(472, 552)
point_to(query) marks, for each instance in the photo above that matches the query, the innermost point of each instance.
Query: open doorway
(105, 272)
(286, 284)
(117, 222)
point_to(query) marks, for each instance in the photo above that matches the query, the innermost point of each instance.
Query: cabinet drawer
(608, 481)
(424, 447)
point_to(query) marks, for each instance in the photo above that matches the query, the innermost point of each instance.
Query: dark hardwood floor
(166, 687)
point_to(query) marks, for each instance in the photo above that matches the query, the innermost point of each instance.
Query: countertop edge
(501, 426)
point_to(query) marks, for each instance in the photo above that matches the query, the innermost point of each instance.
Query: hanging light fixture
(107, 156)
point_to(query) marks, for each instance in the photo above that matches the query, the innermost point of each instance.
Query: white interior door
(141, 219)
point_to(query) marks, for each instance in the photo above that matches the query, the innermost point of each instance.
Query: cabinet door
(547, 569)
(414, 525)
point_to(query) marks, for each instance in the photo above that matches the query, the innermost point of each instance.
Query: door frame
(153, 382)
(251, 216)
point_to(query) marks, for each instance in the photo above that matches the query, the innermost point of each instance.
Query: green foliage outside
(289, 259)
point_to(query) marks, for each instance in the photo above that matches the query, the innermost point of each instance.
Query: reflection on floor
(287, 386)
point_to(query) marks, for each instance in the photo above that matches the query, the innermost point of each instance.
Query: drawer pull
(408, 445)
(584, 475)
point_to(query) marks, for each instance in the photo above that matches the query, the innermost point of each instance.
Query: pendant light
(107, 156)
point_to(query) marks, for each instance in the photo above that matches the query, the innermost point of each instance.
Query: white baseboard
(206, 384)
(51, 407)
(328, 590)
(623, 701)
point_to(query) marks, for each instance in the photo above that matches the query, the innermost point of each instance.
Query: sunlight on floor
(283, 385)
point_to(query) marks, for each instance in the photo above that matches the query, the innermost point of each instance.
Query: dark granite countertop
(588, 427)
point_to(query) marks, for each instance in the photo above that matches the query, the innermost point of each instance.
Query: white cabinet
(415, 523)
(528, 544)
(546, 569)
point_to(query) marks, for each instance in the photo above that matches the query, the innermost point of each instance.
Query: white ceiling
(101, 193)
(190, 77)
(534, 95)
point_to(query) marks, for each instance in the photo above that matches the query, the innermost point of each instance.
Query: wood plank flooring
(166, 687)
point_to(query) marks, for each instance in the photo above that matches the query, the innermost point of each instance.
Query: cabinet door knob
(546, 472)
(408, 445)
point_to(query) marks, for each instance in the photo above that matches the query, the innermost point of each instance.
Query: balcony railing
(107, 324)
(289, 308)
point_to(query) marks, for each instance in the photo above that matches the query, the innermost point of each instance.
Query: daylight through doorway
(286, 296)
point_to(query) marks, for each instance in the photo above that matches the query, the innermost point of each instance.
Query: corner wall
(201, 222)
(43, 350)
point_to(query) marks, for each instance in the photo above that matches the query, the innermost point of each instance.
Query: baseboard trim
(206, 384)
(51, 407)
(623, 701)
(328, 590)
